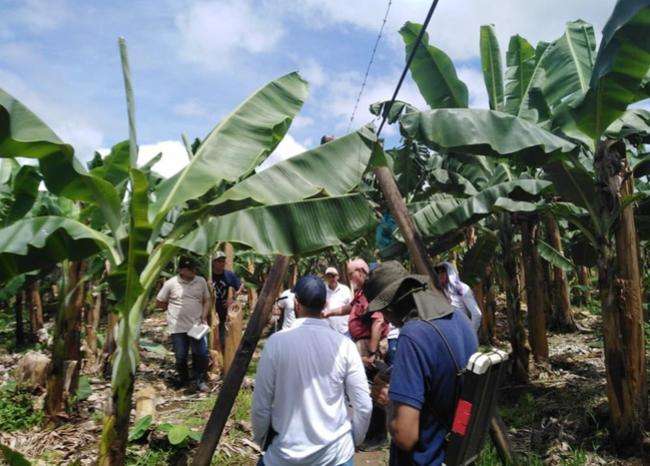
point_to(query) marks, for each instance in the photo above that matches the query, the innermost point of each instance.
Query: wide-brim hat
(382, 286)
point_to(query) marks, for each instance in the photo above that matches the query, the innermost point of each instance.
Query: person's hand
(368, 360)
(379, 393)
(229, 302)
(326, 313)
(204, 320)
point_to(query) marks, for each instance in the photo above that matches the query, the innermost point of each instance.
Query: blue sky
(194, 60)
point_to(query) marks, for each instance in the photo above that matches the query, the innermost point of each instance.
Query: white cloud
(455, 25)
(301, 122)
(174, 156)
(313, 72)
(473, 77)
(342, 91)
(191, 108)
(214, 32)
(39, 15)
(287, 148)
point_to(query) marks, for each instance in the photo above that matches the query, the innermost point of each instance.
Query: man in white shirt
(285, 304)
(338, 295)
(187, 300)
(305, 373)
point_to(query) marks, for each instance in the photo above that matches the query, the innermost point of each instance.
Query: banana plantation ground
(559, 418)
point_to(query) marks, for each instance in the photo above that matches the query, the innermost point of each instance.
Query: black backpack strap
(459, 371)
(457, 382)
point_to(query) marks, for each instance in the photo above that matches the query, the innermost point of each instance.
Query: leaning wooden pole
(235, 376)
(424, 266)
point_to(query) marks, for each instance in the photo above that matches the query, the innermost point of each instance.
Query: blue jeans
(200, 358)
(349, 462)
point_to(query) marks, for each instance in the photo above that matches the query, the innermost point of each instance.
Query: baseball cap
(186, 263)
(219, 255)
(331, 271)
(311, 292)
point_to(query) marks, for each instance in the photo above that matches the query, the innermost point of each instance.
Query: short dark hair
(311, 293)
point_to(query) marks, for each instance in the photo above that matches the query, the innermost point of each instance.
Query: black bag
(476, 392)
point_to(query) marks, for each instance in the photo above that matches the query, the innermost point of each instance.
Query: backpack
(475, 402)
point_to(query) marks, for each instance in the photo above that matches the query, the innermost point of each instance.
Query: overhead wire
(370, 63)
(418, 40)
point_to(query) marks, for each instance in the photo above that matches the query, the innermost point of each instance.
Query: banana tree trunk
(583, 281)
(252, 292)
(535, 288)
(109, 344)
(66, 351)
(93, 314)
(230, 255)
(20, 325)
(35, 309)
(112, 446)
(562, 314)
(489, 305)
(619, 282)
(516, 326)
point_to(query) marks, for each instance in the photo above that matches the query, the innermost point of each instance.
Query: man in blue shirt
(222, 281)
(434, 343)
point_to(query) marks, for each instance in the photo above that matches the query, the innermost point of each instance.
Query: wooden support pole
(235, 376)
(424, 266)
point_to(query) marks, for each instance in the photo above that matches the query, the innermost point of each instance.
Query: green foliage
(492, 67)
(522, 414)
(17, 409)
(483, 132)
(433, 71)
(300, 227)
(12, 457)
(179, 434)
(84, 390)
(151, 457)
(140, 428)
(553, 256)
(621, 68)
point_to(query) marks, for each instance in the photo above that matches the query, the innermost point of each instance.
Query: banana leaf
(332, 169)
(431, 223)
(492, 67)
(483, 132)
(238, 144)
(433, 71)
(38, 242)
(24, 189)
(520, 61)
(621, 67)
(478, 257)
(576, 185)
(398, 109)
(23, 134)
(115, 166)
(568, 63)
(297, 228)
(553, 256)
(451, 182)
(634, 125)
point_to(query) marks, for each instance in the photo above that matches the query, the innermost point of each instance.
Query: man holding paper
(187, 300)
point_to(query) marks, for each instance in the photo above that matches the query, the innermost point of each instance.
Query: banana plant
(560, 101)
(294, 207)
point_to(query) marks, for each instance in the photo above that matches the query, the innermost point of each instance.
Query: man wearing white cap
(338, 296)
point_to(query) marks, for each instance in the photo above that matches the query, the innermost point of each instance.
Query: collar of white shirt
(311, 321)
